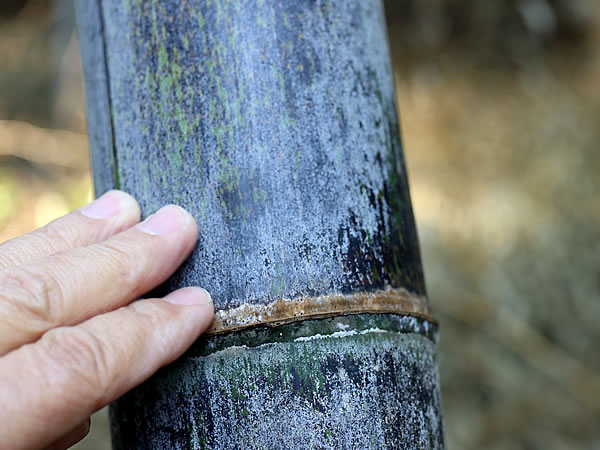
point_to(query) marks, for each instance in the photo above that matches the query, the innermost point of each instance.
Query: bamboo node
(284, 311)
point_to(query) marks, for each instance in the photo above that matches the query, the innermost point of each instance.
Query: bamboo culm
(274, 123)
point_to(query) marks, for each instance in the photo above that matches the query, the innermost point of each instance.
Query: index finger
(113, 212)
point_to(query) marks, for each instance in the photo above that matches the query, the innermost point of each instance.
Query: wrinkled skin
(71, 340)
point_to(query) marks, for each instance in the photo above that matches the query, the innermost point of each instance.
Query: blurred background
(500, 111)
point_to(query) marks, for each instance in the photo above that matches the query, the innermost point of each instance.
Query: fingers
(72, 437)
(113, 212)
(73, 371)
(69, 287)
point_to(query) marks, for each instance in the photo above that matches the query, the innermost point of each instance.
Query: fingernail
(166, 220)
(191, 296)
(108, 205)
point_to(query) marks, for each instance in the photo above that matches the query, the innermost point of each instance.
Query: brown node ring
(285, 311)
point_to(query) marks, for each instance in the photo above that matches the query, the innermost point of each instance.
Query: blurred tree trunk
(274, 124)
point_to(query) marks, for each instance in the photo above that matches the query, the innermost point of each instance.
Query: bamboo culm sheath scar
(274, 123)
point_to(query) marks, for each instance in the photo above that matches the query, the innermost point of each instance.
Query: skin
(71, 340)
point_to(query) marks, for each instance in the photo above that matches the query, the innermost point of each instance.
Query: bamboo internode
(273, 122)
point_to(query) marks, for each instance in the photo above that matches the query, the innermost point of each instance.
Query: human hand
(71, 341)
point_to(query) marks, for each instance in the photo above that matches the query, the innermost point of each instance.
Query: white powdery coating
(339, 334)
(285, 167)
(367, 389)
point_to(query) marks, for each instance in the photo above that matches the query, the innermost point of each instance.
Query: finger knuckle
(82, 356)
(152, 312)
(58, 236)
(31, 294)
(124, 261)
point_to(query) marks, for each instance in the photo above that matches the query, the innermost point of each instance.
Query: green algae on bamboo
(274, 123)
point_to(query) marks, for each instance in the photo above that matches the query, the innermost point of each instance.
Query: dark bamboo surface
(274, 123)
